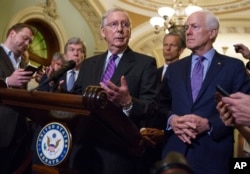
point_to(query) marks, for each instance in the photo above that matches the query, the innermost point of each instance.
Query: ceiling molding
(234, 17)
(92, 14)
(221, 6)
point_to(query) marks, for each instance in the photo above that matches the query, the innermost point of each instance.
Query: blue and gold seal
(53, 144)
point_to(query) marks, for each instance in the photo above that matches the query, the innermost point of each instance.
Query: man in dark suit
(173, 46)
(132, 87)
(194, 126)
(74, 50)
(14, 134)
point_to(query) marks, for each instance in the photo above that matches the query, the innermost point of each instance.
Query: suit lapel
(125, 64)
(64, 78)
(187, 81)
(98, 66)
(5, 61)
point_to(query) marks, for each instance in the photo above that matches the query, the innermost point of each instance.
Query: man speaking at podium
(129, 80)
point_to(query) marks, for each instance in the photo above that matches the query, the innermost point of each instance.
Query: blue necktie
(110, 69)
(197, 77)
(71, 80)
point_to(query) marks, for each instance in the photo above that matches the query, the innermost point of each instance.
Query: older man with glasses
(129, 80)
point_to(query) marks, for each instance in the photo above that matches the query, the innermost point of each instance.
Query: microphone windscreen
(71, 64)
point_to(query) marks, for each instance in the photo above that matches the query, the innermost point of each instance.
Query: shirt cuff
(127, 109)
(6, 81)
(168, 127)
(209, 132)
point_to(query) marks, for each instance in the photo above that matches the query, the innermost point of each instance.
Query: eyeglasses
(114, 25)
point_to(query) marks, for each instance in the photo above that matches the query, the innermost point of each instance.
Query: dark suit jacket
(8, 117)
(6, 67)
(159, 73)
(208, 154)
(140, 73)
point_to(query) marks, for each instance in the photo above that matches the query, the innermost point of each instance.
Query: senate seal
(53, 144)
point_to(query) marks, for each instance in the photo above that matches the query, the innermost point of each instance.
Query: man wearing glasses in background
(75, 50)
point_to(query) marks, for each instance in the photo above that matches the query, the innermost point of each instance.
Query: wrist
(126, 103)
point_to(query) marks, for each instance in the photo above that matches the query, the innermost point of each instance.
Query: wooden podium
(44, 107)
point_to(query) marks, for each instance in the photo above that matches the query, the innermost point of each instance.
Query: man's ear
(213, 33)
(103, 33)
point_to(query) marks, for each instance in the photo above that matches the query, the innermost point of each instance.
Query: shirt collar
(7, 50)
(208, 55)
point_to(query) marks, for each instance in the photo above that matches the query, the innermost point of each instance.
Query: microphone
(57, 74)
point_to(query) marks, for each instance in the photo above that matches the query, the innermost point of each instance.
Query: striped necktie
(110, 69)
(197, 77)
